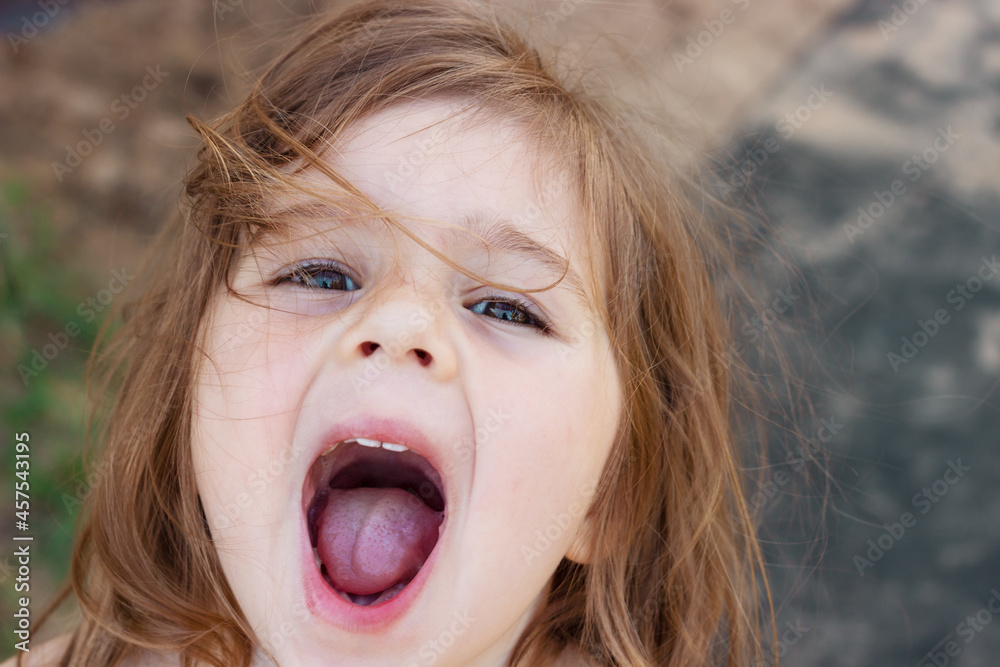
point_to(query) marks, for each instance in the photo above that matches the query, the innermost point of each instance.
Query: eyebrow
(498, 232)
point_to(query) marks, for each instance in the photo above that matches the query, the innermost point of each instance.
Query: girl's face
(508, 402)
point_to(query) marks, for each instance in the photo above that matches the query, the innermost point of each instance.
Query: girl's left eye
(511, 310)
(322, 276)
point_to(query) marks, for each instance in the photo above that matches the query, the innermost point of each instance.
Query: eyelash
(302, 273)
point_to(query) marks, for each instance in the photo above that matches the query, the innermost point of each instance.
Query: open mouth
(375, 515)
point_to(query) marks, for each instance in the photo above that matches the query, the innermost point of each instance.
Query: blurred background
(866, 133)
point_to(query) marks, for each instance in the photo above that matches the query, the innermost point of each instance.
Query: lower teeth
(387, 594)
(362, 600)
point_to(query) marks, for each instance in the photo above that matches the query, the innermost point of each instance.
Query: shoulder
(46, 654)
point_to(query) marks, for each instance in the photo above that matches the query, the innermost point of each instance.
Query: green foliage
(39, 297)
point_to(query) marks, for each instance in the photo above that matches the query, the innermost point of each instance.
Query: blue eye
(330, 276)
(321, 276)
(510, 310)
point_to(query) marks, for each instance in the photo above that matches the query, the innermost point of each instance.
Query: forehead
(412, 153)
(432, 160)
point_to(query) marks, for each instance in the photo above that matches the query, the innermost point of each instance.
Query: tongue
(373, 538)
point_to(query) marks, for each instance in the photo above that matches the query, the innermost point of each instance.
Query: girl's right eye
(320, 276)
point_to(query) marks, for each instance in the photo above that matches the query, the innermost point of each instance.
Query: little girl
(434, 372)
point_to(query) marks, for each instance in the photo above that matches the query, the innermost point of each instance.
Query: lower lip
(326, 604)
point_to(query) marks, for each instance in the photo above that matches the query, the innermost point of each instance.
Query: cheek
(248, 356)
(570, 408)
(543, 464)
(244, 412)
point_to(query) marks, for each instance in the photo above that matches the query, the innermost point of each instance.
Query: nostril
(368, 349)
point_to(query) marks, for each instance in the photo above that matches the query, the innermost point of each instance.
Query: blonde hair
(676, 575)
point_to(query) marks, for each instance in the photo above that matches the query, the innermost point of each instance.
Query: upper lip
(384, 429)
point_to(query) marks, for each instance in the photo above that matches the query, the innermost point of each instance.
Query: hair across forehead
(368, 61)
(382, 54)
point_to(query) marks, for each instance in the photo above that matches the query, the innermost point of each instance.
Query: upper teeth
(367, 442)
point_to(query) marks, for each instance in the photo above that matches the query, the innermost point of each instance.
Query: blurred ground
(890, 191)
(822, 105)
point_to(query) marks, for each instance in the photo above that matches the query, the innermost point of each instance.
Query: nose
(400, 330)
